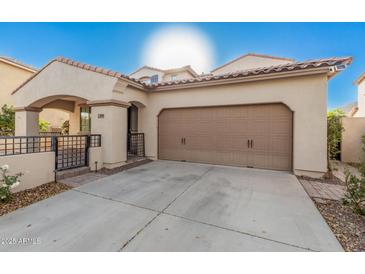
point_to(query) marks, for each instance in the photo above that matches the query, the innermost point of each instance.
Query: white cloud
(177, 46)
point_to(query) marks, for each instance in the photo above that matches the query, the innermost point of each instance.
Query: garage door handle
(182, 141)
(248, 143)
(251, 143)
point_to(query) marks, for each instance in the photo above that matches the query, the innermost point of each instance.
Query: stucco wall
(37, 168)
(96, 155)
(249, 62)
(306, 96)
(179, 76)
(351, 146)
(62, 79)
(55, 117)
(10, 78)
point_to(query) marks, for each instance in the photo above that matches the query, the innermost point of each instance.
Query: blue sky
(119, 46)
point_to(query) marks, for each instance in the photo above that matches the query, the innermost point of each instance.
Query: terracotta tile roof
(309, 64)
(91, 68)
(329, 62)
(18, 63)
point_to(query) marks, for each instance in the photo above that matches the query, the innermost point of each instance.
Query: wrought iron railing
(95, 140)
(135, 145)
(13, 145)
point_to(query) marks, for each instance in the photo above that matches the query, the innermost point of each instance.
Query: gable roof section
(206, 79)
(255, 55)
(18, 64)
(85, 67)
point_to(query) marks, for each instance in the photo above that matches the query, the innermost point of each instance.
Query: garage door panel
(219, 135)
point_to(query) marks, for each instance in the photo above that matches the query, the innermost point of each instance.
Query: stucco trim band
(32, 109)
(111, 102)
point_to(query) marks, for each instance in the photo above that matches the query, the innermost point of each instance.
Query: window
(173, 77)
(85, 119)
(154, 78)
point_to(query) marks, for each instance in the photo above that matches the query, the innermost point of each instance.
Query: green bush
(7, 119)
(334, 132)
(355, 187)
(43, 125)
(7, 182)
(355, 193)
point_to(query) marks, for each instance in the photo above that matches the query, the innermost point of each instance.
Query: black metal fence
(135, 145)
(13, 145)
(71, 150)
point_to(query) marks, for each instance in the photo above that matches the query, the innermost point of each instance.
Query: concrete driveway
(174, 206)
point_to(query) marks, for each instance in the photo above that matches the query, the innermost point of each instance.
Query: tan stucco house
(12, 74)
(256, 111)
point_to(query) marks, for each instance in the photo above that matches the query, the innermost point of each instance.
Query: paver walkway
(338, 169)
(320, 190)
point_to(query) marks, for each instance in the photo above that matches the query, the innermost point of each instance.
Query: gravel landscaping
(348, 227)
(30, 196)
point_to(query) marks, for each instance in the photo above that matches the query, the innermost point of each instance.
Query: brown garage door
(251, 135)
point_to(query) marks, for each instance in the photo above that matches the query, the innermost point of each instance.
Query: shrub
(334, 132)
(355, 187)
(7, 119)
(355, 193)
(43, 125)
(7, 183)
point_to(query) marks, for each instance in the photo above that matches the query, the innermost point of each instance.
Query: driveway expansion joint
(117, 201)
(163, 210)
(241, 232)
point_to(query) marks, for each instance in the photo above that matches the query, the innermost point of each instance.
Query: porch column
(26, 121)
(109, 118)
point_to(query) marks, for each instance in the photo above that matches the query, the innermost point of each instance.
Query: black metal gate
(71, 151)
(135, 145)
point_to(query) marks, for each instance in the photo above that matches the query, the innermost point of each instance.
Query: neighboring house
(12, 74)
(150, 75)
(251, 61)
(354, 127)
(349, 109)
(255, 111)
